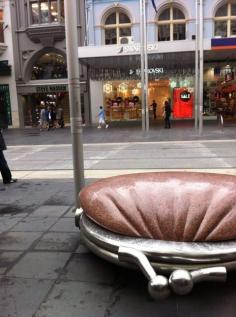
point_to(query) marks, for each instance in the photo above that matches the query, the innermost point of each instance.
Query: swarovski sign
(157, 70)
(135, 48)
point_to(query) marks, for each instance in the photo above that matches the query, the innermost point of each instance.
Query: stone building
(39, 49)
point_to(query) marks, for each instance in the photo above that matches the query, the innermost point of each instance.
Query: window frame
(59, 10)
(117, 26)
(228, 19)
(171, 22)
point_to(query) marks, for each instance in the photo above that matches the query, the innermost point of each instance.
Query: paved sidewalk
(124, 132)
(45, 271)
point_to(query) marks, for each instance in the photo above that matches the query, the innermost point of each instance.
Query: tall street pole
(196, 65)
(74, 95)
(145, 65)
(142, 57)
(201, 67)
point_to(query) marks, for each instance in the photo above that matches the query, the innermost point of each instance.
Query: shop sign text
(135, 48)
(48, 89)
(157, 70)
(185, 96)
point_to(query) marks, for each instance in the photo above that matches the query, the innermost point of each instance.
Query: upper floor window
(225, 20)
(171, 25)
(46, 11)
(117, 25)
(49, 66)
(1, 27)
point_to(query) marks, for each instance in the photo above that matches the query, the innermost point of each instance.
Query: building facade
(39, 48)
(112, 56)
(9, 115)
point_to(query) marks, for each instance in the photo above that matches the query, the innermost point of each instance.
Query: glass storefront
(5, 106)
(122, 99)
(220, 89)
(33, 104)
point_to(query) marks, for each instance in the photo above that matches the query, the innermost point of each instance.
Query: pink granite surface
(171, 206)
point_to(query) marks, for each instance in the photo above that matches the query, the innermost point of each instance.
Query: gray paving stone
(7, 223)
(50, 211)
(7, 259)
(82, 249)
(89, 268)
(21, 297)
(70, 213)
(40, 265)
(131, 299)
(34, 224)
(65, 225)
(18, 241)
(58, 241)
(71, 299)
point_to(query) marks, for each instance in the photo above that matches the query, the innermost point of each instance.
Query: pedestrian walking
(60, 117)
(43, 118)
(5, 170)
(101, 118)
(167, 114)
(154, 109)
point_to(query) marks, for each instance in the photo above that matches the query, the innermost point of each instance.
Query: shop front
(220, 89)
(5, 106)
(35, 97)
(119, 89)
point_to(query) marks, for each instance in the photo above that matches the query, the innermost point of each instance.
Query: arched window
(49, 66)
(225, 20)
(171, 24)
(116, 25)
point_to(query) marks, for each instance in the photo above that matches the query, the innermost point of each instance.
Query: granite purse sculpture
(176, 224)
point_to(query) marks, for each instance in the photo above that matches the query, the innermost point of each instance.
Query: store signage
(157, 70)
(185, 96)
(135, 48)
(48, 89)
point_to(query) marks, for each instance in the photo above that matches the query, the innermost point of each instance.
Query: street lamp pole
(145, 64)
(197, 65)
(142, 57)
(74, 95)
(201, 67)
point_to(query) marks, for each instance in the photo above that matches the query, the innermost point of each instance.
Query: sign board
(135, 48)
(185, 96)
(51, 89)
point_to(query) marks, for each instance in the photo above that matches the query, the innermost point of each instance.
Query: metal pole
(142, 53)
(196, 64)
(201, 68)
(145, 65)
(74, 95)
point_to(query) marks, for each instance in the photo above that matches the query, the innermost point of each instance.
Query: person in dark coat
(167, 114)
(4, 169)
